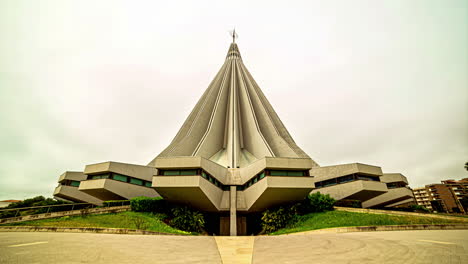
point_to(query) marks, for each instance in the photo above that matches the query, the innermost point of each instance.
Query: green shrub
(187, 219)
(274, 219)
(315, 203)
(419, 208)
(148, 204)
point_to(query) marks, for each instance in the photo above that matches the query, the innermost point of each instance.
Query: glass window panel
(278, 173)
(119, 177)
(188, 172)
(203, 174)
(295, 173)
(100, 176)
(344, 179)
(171, 172)
(75, 183)
(148, 184)
(329, 182)
(368, 178)
(262, 175)
(136, 181)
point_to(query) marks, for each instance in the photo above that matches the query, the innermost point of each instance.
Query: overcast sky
(377, 82)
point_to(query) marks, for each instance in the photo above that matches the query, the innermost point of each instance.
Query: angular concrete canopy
(68, 191)
(233, 124)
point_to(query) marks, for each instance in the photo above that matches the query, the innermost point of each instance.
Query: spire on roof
(234, 35)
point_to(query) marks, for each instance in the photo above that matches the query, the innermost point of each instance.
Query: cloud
(85, 82)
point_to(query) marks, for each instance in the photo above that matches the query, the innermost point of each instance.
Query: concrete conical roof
(233, 124)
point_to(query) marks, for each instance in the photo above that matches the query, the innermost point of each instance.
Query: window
(367, 178)
(346, 178)
(99, 176)
(188, 172)
(148, 184)
(295, 173)
(286, 173)
(262, 175)
(119, 177)
(136, 181)
(171, 173)
(329, 182)
(179, 172)
(278, 173)
(75, 183)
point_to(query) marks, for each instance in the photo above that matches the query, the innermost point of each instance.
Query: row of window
(70, 183)
(193, 172)
(252, 181)
(120, 177)
(214, 181)
(264, 173)
(218, 184)
(393, 185)
(345, 179)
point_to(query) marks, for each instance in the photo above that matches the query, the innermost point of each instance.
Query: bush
(274, 219)
(282, 216)
(419, 208)
(148, 204)
(187, 220)
(315, 203)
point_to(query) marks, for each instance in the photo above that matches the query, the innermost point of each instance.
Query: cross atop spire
(234, 35)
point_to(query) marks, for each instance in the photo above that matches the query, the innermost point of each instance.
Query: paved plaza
(366, 247)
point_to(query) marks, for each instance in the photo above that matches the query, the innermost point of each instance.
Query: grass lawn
(341, 218)
(129, 220)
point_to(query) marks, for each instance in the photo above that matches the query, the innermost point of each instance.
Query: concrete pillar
(233, 211)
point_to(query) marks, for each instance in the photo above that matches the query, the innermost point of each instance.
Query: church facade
(232, 157)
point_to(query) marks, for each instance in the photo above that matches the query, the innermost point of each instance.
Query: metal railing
(57, 208)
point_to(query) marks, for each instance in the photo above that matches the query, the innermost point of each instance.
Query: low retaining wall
(98, 210)
(383, 228)
(388, 212)
(81, 230)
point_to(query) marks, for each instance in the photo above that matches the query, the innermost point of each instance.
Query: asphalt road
(38, 247)
(394, 247)
(371, 247)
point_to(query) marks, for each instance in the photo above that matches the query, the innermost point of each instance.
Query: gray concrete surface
(105, 248)
(369, 247)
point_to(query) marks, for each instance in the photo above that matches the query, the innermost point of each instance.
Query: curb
(351, 229)
(98, 230)
(399, 213)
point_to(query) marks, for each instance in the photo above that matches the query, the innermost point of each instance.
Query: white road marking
(29, 244)
(437, 242)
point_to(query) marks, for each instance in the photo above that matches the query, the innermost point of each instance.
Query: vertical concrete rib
(233, 211)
